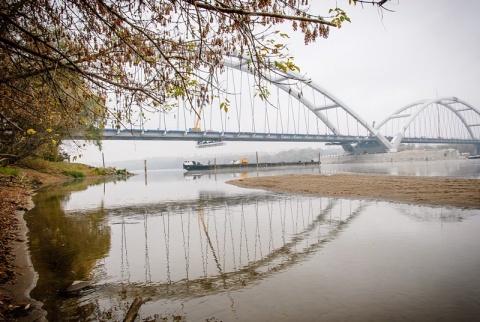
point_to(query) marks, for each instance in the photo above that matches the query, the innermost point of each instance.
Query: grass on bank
(33, 167)
(9, 171)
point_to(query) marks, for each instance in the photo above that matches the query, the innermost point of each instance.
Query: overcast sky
(377, 64)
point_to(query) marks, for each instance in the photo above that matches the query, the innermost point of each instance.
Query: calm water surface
(203, 250)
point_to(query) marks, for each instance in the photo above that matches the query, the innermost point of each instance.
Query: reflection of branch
(133, 310)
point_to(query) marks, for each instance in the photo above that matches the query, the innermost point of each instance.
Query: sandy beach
(441, 191)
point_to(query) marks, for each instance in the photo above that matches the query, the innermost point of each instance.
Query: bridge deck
(176, 135)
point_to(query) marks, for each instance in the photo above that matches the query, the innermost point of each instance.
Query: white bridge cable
(252, 107)
(165, 121)
(222, 113)
(266, 124)
(348, 127)
(326, 114)
(184, 108)
(279, 115)
(211, 111)
(238, 105)
(178, 118)
(307, 118)
(315, 104)
(289, 114)
(299, 116)
(225, 94)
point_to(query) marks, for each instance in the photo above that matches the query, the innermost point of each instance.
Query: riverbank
(17, 276)
(436, 191)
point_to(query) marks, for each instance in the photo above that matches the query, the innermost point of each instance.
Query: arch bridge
(299, 110)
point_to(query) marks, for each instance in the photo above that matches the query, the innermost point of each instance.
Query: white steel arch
(448, 102)
(281, 81)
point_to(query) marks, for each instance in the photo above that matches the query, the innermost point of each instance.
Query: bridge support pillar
(477, 149)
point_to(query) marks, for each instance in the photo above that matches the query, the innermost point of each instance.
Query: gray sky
(377, 64)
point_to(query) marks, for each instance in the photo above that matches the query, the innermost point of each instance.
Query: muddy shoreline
(436, 191)
(18, 276)
(15, 199)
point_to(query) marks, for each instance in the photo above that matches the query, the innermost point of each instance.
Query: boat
(477, 156)
(241, 164)
(209, 144)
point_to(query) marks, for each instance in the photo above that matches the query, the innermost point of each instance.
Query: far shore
(436, 191)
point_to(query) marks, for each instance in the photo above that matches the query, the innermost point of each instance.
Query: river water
(203, 250)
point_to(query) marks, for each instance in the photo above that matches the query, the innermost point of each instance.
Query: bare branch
(231, 10)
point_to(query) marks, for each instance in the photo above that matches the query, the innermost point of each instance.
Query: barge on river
(197, 166)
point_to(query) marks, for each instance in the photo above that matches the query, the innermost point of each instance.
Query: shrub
(100, 171)
(74, 173)
(37, 164)
(122, 172)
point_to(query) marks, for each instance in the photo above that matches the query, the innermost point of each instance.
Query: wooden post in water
(215, 168)
(256, 156)
(103, 160)
(145, 169)
(319, 167)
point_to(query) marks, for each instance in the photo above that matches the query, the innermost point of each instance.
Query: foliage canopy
(61, 60)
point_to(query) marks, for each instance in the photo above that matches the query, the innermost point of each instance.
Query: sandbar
(438, 191)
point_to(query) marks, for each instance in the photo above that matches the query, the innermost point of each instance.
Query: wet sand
(17, 276)
(442, 191)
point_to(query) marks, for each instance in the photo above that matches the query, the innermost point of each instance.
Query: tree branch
(230, 10)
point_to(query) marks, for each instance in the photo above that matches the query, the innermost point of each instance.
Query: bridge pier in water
(477, 149)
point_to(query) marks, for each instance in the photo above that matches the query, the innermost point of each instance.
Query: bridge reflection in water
(219, 243)
(216, 244)
(205, 255)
